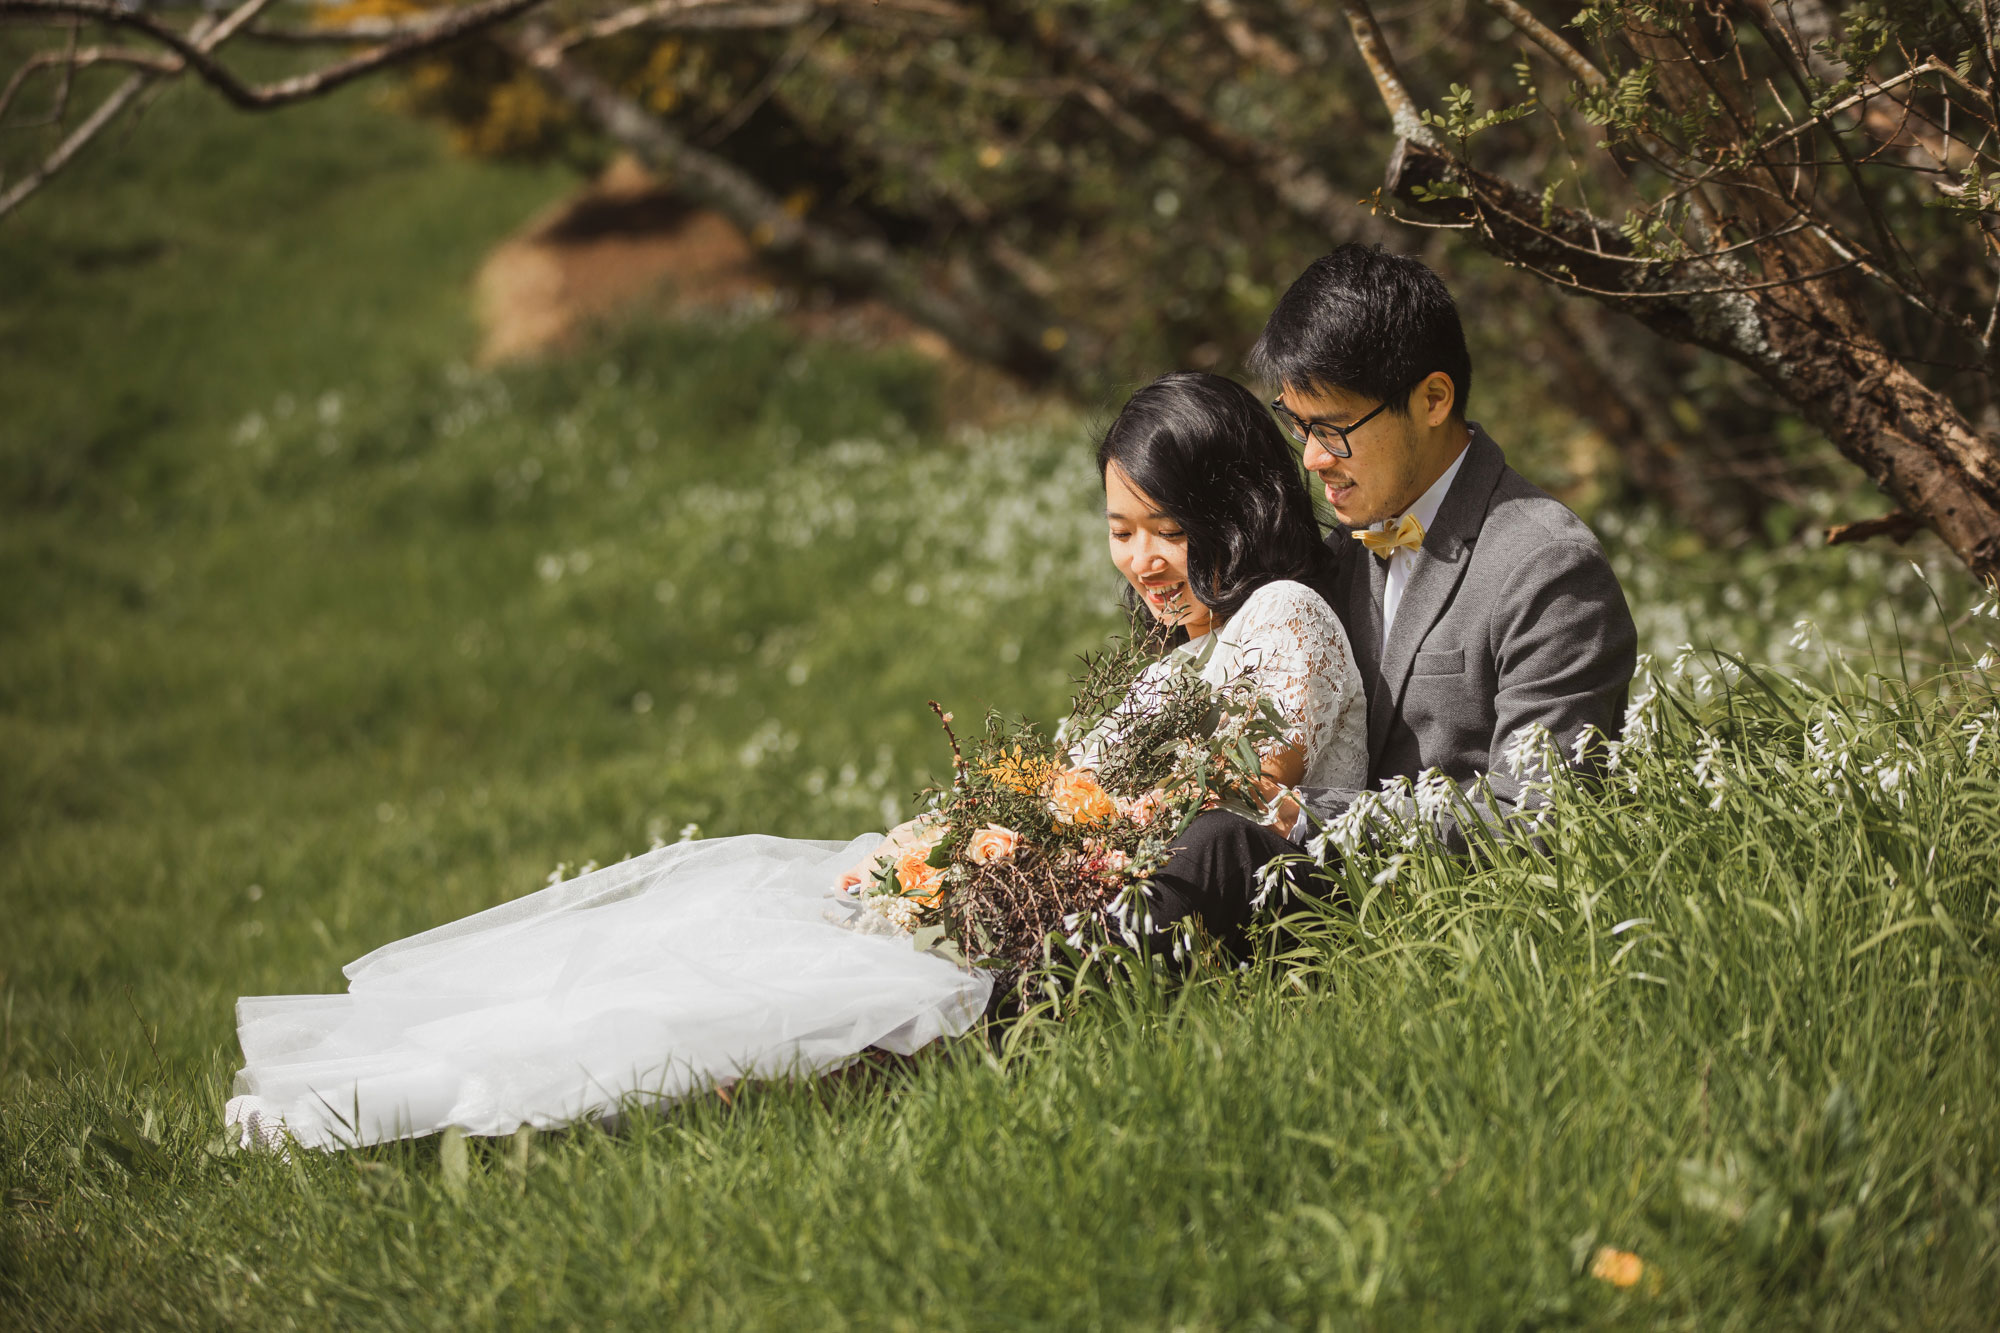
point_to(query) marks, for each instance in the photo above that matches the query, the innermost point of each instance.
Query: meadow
(315, 636)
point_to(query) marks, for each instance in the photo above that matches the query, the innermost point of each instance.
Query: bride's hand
(886, 851)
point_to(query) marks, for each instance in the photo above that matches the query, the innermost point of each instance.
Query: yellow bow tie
(1408, 531)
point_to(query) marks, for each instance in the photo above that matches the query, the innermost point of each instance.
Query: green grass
(315, 638)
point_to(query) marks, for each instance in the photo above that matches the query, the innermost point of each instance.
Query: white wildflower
(1975, 732)
(1356, 825)
(1526, 751)
(1434, 795)
(897, 911)
(1271, 879)
(1709, 771)
(1892, 772)
(1829, 750)
(1639, 720)
(1802, 635)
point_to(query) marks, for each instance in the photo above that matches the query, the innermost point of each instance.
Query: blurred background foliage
(983, 140)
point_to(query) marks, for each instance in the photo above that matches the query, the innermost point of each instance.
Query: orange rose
(991, 845)
(921, 882)
(1077, 799)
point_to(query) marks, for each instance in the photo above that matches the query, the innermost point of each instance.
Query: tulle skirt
(683, 969)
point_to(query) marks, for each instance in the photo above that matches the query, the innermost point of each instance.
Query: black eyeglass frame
(1301, 430)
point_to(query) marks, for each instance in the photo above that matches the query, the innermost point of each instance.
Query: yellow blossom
(1019, 773)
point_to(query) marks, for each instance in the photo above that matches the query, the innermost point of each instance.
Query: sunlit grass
(348, 644)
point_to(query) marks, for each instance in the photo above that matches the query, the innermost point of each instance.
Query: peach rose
(1077, 799)
(921, 882)
(991, 845)
(1142, 810)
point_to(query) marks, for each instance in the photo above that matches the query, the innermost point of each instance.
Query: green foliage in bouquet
(1044, 835)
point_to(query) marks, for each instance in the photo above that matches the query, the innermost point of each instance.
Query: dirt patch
(626, 244)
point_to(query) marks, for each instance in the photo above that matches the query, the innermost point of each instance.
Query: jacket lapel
(1434, 577)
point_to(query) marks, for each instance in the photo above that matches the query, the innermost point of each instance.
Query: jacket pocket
(1439, 664)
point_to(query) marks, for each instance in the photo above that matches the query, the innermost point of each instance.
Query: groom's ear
(1435, 399)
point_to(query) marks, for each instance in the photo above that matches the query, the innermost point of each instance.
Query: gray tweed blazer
(1511, 616)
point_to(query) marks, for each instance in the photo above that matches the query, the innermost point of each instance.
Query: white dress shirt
(1402, 558)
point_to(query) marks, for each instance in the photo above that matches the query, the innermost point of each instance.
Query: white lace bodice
(1288, 642)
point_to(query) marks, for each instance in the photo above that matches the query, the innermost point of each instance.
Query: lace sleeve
(1291, 646)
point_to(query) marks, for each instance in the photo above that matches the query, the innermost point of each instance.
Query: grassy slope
(317, 641)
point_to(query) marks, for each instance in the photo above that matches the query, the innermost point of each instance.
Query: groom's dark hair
(1205, 449)
(1367, 322)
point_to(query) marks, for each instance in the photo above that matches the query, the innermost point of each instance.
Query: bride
(698, 964)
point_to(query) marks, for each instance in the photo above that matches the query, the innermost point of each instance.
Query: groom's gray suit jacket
(1511, 616)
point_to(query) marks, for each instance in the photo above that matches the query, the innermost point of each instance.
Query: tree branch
(195, 55)
(1375, 54)
(207, 34)
(1550, 41)
(1896, 525)
(1251, 46)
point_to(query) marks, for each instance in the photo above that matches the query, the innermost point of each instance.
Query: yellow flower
(1018, 773)
(1621, 1268)
(1077, 799)
(991, 845)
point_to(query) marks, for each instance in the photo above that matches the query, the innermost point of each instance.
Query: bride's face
(1150, 550)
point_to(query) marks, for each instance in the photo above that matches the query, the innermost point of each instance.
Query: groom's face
(1379, 480)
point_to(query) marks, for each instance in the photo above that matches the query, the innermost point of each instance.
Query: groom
(1475, 604)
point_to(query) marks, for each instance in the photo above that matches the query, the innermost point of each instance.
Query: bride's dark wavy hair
(1206, 450)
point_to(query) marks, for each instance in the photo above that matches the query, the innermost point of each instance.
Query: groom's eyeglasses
(1325, 434)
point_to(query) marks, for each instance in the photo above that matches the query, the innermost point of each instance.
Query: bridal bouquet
(1044, 836)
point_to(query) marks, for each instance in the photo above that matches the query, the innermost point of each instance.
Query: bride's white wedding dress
(686, 968)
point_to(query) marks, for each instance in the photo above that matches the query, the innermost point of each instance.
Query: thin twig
(107, 111)
(1550, 41)
(957, 755)
(802, 46)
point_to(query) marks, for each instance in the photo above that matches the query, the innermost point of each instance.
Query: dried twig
(957, 755)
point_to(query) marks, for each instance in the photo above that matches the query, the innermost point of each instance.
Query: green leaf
(122, 1141)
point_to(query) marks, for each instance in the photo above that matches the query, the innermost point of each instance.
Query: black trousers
(1212, 877)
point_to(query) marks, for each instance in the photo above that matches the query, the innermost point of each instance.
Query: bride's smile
(1150, 549)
